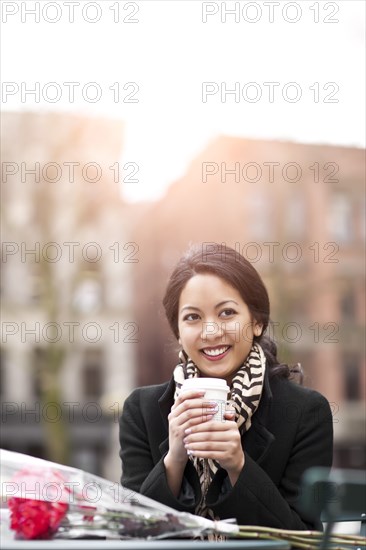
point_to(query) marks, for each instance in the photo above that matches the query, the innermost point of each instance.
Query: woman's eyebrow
(216, 306)
(225, 302)
(190, 307)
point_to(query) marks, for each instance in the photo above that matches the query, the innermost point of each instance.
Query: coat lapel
(257, 441)
(165, 404)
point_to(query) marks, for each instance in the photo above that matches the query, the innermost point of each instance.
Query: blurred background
(162, 145)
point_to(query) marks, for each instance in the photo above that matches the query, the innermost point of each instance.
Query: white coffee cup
(216, 392)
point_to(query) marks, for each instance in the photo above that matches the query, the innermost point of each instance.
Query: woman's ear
(257, 329)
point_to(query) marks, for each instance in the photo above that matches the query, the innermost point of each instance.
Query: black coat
(291, 431)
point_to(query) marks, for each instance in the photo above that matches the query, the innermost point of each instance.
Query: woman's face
(215, 326)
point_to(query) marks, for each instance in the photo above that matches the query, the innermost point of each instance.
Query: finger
(224, 438)
(191, 419)
(230, 415)
(213, 426)
(213, 446)
(190, 394)
(190, 404)
(188, 420)
(193, 409)
(219, 455)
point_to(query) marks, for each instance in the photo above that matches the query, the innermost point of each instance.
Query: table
(143, 545)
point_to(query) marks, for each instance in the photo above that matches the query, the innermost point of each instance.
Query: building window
(87, 296)
(37, 289)
(363, 218)
(340, 219)
(2, 270)
(348, 305)
(2, 374)
(352, 377)
(295, 219)
(92, 374)
(39, 361)
(352, 456)
(259, 214)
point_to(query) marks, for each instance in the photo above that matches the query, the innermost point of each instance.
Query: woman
(248, 467)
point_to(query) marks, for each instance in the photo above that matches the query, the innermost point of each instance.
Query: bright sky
(169, 52)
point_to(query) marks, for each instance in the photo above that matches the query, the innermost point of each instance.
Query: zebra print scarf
(244, 396)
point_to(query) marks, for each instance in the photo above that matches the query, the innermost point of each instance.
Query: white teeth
(217, 351)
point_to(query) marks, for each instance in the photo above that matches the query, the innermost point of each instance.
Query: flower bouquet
(47, 500)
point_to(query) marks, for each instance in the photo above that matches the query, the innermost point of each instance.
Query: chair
(338, 495)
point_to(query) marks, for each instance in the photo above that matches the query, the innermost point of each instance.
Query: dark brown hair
(228, 264)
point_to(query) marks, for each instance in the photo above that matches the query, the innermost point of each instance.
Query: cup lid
(205, 383)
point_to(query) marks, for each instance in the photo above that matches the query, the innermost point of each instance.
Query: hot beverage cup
(216, 392)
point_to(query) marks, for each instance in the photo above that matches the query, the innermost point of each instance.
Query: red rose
(36, 518)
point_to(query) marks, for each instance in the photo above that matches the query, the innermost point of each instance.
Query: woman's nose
(211, 330)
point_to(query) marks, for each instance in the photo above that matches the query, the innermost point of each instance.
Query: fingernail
(189, 452)
(187, 431)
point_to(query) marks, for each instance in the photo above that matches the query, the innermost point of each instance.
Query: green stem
(296, 544)
(280, 531)
(300, 539)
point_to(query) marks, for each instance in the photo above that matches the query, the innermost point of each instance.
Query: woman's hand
(189, 410)
(219, 441)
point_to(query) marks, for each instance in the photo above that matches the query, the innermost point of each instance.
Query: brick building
(297, 212)
(67, 352)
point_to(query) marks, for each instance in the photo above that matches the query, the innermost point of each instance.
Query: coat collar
(258, 439)
(165, 404)
(166, 401)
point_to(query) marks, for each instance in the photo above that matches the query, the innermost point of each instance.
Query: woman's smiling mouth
(215, 353)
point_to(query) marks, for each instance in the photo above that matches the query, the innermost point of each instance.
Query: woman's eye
(191, 317)
(227, 312)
